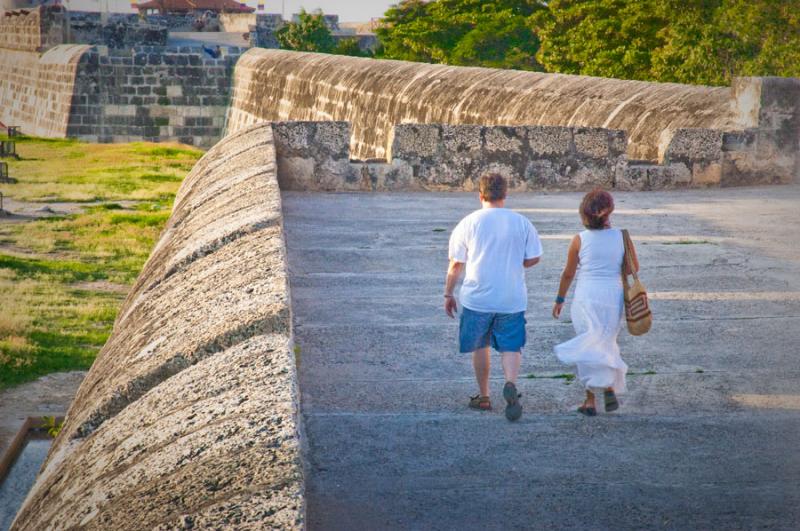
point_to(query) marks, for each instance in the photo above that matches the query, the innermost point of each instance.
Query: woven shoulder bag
(637, 307)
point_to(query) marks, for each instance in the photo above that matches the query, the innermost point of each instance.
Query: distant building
(166, 7)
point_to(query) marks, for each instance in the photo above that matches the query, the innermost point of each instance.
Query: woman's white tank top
(601, 255)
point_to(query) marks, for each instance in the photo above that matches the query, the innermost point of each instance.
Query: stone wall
(152, 93)
(376, 95)
(36, 91)
(188, 417)
(315, 156)
(32, 30)
(118, 31)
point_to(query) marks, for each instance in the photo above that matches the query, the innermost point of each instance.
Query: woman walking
(597, 311)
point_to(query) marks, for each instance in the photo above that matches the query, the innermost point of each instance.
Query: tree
(713, 42)
(464, 32)
(608, 38)
(308, 34)
(349, 46)
(686, 41)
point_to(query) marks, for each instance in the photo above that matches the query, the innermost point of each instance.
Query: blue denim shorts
(505, 332)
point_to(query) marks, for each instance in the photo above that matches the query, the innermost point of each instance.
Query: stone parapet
(313, 156)
(32, 30)
(189, 416)
(37, 91)
(375, 95)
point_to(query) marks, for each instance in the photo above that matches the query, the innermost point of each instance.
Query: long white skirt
(598, 313)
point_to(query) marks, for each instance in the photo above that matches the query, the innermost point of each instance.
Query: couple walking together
(492, 247)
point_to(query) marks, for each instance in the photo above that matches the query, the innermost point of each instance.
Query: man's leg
(511, 362)
(482, 362)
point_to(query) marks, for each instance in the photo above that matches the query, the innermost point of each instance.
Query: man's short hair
(493, 187)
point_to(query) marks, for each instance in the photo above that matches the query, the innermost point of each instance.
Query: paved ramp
(706, 437)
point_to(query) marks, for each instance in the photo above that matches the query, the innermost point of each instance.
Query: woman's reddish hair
(596, 208)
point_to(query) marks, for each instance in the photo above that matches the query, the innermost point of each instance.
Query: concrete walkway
(706, 437)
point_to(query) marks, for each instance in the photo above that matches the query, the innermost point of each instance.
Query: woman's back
(601, 255)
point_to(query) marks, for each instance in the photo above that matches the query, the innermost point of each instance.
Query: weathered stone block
(738, 140)
(633, 178)
(668, 176)
(706, 174)
(546, 141)
(592, 142)
(691, 145)
(461, 140)
(504, 139)
(415, 142)
(333, 138)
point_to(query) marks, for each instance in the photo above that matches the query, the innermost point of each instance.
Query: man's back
(493, 242)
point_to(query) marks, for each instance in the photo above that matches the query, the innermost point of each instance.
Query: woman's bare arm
(568, 274)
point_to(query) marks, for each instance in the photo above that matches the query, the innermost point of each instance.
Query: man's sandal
(480, 402)
(588, 411)
(514, 408)
(611, 402)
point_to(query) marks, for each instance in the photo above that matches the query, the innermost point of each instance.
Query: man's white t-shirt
(493, 242)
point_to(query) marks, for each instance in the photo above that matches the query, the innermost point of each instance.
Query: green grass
(69, 170)
(568, 377)
(689, 242)
(63, 279)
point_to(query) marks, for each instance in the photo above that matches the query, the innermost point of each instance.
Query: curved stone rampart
(36, 91)
(376, 95)
(188, 416)
(34, 30)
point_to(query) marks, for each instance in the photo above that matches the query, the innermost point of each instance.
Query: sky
(348, 10)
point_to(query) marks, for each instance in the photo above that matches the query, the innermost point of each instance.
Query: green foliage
(53, 427)
(462, 32)
(607, 38)
(710, 42)
(686, 41)
(349, 46)
(309, 34)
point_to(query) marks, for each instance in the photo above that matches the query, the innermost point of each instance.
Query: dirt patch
(103, 286)
(49, 395)
(19, 211)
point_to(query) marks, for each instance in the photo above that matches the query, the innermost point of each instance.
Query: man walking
(493, 246)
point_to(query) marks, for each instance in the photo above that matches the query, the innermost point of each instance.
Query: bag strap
(628, 259)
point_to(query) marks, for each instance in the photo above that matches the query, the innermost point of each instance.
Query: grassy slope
(62, 279)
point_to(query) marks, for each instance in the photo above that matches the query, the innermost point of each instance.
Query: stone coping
(189, 415)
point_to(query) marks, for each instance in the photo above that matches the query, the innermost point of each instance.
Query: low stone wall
(315, 156)
(188, 417)
(152, 93)
(36, 91)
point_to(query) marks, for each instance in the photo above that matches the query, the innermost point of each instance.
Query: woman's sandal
(480, 402)
(588, 411)
(611, 402)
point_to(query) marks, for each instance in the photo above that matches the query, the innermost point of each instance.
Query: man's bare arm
(530, 262)
(453, 273)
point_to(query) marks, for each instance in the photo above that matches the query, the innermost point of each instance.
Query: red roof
(182, 6)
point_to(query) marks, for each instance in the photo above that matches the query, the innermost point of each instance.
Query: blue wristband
(560, 300)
